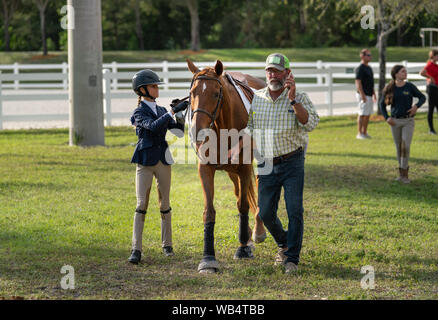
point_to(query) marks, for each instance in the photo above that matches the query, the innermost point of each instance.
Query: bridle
(213, 115)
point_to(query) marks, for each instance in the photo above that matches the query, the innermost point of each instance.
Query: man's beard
(276, 84)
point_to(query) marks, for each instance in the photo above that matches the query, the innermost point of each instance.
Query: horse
(215, 104)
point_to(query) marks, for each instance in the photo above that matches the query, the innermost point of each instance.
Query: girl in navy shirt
(399, 94)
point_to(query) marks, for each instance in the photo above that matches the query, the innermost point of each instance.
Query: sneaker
(168, 251)
(135, 256)
(280, 258)
(432, 132)
(367, 136)
(360, 136)
(290, 267)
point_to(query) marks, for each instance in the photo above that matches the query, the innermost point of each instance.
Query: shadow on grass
(373, 157)
(369, 180)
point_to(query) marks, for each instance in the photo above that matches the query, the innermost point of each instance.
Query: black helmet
(143, 78)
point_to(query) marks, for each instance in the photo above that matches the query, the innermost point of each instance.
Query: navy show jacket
(151, 130)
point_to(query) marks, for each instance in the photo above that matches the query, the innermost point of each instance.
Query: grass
(62, 205)
(412, 54)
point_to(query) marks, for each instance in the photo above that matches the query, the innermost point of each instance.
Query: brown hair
(139, 100)
(432, 53)
(388, 91)
(363, 51)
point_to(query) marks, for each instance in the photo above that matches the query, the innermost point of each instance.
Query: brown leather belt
(280, 159)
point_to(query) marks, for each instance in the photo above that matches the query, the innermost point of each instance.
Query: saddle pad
(245, 92)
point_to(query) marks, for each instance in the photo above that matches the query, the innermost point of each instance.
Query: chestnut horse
(215, 104)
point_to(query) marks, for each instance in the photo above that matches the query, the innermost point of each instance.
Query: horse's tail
(252, 197)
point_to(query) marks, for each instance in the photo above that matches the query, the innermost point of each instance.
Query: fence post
(114, 70)
(16, 71)
(107, 96)
(166, 69)
(64, 71)
(319, 66)
(1, 105)
(330, 91)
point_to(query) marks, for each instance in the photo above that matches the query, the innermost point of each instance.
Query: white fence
(326, 77)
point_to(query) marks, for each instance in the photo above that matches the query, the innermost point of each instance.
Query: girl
(399, 93)
(152, 157)
(430, 71)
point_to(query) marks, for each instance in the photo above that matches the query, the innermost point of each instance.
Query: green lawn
(413, 54)
(62, 205)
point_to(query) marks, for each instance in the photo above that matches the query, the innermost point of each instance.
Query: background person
(365, 94)
(399, 94)
(152, 157)
(430, 71)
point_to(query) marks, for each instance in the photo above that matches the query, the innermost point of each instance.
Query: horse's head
(206, 97)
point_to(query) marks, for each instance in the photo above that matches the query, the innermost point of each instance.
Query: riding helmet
(144, 78)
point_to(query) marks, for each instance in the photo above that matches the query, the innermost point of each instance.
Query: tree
(42, 5)
(389, 16)
(9, 7)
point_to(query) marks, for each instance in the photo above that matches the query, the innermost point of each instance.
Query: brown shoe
(404, 177)
(280, 258)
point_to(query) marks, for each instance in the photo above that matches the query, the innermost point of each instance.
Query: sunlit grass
(62, 205)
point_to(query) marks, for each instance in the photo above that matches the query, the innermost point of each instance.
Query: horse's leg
(259, 234)
(235, 179)
(208, 263)
(244, 251)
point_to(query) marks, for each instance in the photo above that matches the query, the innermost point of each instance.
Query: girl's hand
(412, 111)
(391, 121)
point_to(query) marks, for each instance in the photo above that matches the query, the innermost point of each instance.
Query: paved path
(128, 105)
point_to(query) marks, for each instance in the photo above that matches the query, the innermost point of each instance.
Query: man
(365, 94)
(282, 117)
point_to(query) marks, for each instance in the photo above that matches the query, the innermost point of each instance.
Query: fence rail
(117, 79)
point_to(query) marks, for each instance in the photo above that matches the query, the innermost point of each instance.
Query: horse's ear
(194, 69)
(219, 67)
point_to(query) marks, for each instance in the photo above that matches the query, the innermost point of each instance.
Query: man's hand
(290, 84)
(364, 98)
(374, 98)
(412, 111)
(180, 107)
(390, 121)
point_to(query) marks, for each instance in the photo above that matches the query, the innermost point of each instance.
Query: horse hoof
(251, 244)
(243, 253)
(209, 270)
(208, 265)
(259, 238)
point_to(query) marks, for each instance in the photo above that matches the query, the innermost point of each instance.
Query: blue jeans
(288, 174)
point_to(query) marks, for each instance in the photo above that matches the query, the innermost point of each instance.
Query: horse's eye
(216, 94)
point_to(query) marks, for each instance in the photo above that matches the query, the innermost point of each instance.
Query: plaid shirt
(274, 126)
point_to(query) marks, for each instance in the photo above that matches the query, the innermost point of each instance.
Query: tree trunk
(303, 18)
(138, 27)
(194, 18)
(9, 8)
(382, 42)
(43, 29)
(7, 36)
(85, 74)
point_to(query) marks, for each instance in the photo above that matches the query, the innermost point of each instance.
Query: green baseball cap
(278, 61)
